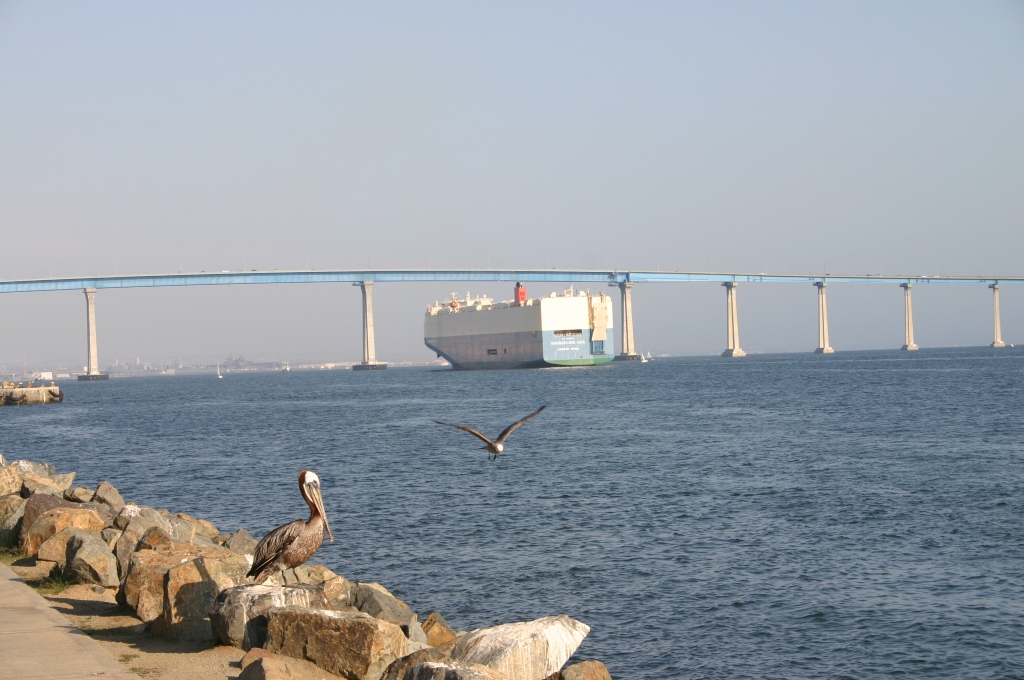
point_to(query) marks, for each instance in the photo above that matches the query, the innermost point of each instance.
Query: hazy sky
(782, 137)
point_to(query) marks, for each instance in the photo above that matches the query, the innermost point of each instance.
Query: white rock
(532, 650)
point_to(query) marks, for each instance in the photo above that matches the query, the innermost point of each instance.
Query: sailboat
(218, 371)
(643, 359)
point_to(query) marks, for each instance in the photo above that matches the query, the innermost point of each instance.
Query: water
(786, 516)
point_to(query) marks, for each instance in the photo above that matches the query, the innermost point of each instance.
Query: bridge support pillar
(92, 370)
(823, 346)
(908, 344)
(998, 329)
(732, 325)
(370, 362)
(628, 350)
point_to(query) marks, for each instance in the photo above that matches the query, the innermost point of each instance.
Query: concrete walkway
(37, 642)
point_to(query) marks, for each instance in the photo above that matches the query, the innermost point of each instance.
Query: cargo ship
(571, 328)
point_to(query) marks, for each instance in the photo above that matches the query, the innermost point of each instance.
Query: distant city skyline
(797, 137)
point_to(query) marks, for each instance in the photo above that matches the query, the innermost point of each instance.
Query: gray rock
(110, 536)
(452, 670)
(381, 604)
(63, 481)
(32, 483)
(79, 494)
(398, 667)
(104, 511)
(41, 469)
(89, 560)
(190, 591)
(241, 542)
(239, 615)
(531, 650)
(145, 519)
(107, 494)
(129, 512)
(55, 548)
(12, 509)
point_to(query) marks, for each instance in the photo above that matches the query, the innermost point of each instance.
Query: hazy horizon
(737, 136)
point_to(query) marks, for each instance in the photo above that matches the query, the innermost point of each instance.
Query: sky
(783, 137)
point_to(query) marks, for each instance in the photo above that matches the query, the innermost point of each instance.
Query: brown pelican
(289, 546)
(498, 445)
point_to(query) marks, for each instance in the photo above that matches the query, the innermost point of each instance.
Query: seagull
(495, 447)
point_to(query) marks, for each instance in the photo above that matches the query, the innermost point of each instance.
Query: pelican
(495, 447)
(289, 546)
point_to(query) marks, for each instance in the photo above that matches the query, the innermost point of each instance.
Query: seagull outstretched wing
(470, 430)
(508, 430)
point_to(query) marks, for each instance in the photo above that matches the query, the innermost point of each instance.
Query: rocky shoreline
(185, 582)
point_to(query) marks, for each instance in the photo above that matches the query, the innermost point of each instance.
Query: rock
(79, 494)
(144, 519)
(531, 650)
(241, 542)
(307, 574)
(32, 483)
(41, 469)
(239, 615)
(110, 536)
(449, 646)
(453, 670)
(39, 570)
(55, 548)
(142, 587)
(100, 509)
(3, 461)
(129, 512)
(52, 521)
(10, 480)
(89, 560)
(155, 538)
(353, 645)
(437, 630)
(108, 495)
(338, 591)
(254, 655)
(37, 505)
(273, 667)
(398, 667)
(12, 509)
(378, 602)
(588, 670)
(64, 481)
(203, 527)
(190, 590)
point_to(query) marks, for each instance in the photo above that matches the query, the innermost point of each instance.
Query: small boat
(219, 376)
(287, 368)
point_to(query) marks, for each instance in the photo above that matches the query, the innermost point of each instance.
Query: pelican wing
(470, 430)
(273, 544)
(508, 430)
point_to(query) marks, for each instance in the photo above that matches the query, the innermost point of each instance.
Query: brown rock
(398, 667)
(36, 571)
(453, 670)
(89, 560)
(40, 469)
(108, 495)
(79, 494)
(239, 616)
(437, 630)
(12, 509)
(274, 667)
(52, 521)
(142, 587)
(306, 574)
(10, 480)
(253, 654)
(37, 505)
(353, 645)
(203, 528)
(588, 670)
(32, 483)
(55, 548)
(530, 650)
(338, 591)
(190, 590)
(155, 538)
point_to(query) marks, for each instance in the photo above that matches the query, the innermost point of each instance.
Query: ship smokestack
(520, 295)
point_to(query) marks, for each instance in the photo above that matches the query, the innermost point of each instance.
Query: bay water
(859, 515)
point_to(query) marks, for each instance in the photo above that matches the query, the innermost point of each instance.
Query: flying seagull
(495, 447)
(290, 545)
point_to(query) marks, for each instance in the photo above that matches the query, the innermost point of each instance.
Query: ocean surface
(859, 515)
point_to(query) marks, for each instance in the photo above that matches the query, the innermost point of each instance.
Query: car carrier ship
(566, 329)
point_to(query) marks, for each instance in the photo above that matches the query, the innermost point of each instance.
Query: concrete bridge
(623, 280)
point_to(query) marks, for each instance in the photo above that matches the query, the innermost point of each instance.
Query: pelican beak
(314, 493)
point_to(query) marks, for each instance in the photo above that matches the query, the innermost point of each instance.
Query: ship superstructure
(571, 328)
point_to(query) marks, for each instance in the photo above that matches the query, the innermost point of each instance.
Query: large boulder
(350, 644)
(52, 521)
(273, 667)
(452, 670)
(32, 483)
(398, 667)
(437, 630)
(531, 650)
(203, 527)
(374, 600)
(241, 542)
(144, 520)
(63, 481)
(108, 495)
(12, 509)
(308, 574)
(89, 560)
(10, 480)
(129, 512)
(239, 615)
(41, 469)
(79, 494)
(36, 505)
(55, 548)
(142, 587)
(190, 590)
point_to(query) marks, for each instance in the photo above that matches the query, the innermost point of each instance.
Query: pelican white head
(309, 485)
